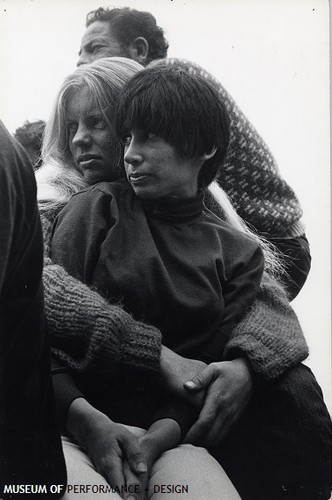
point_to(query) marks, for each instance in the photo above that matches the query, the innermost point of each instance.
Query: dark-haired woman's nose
(133, 153)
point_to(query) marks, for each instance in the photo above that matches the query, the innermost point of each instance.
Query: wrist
(162, 435)
(244, 366)
(168, 360)
(82, 420)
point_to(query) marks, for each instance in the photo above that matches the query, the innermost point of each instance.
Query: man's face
(98, 42)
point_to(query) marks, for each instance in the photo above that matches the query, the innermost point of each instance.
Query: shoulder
(100, 202)
(104, 190)
(233, 239)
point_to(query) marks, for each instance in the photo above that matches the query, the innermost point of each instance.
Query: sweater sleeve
(269, 335)
(86, 331)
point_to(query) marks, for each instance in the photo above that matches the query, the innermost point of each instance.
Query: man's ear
(207, 156)
(139, 50)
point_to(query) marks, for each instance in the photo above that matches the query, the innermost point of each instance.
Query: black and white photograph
(165, 271)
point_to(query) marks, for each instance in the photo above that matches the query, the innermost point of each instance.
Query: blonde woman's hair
(273, 261)
(58, 178)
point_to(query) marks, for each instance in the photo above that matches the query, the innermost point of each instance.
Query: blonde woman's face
(91, 143)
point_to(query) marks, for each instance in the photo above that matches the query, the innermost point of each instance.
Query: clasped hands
(221, 391)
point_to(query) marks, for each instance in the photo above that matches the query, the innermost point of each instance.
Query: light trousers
(189, 469)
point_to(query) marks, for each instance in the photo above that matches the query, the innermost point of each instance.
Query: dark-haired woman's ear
(139, 50)
(207, 156)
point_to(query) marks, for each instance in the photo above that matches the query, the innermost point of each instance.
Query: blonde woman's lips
(87, 160)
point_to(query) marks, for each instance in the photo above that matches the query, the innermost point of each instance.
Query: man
(30, 446)
(122, 32)
(250, 175)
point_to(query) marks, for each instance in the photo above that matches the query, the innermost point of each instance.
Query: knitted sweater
(250, 175)
(77, 315)
(269, 335)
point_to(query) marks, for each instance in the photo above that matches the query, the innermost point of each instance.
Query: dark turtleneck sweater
(170, 263)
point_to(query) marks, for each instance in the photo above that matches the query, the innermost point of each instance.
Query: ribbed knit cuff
(104, 333)
(296, 229)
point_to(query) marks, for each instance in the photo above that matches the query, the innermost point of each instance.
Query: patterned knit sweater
(87, 333)
(250, 175)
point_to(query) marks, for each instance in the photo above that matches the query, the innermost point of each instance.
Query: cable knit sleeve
(86, 331)
(269, 335)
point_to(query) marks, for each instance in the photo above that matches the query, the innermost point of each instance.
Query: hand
(163, 435)
(109, 445)
(229, 388)
(176, 370)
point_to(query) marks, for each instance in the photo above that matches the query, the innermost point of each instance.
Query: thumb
(134, 456)
(202, 380)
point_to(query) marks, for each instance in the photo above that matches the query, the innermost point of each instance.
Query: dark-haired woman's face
(156, 170)
(90, 140)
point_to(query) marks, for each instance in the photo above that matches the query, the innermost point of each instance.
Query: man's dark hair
(128, 24)
(30, 135)
(182, 108)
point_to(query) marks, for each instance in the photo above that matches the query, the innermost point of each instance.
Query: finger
(223, 424)
(205, 420)
(224, 419)
(111, 467)
(202, 380)
(133, 483)
(216, 433)
(133, 454)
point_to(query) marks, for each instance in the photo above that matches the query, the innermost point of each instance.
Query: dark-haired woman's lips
(136, 179)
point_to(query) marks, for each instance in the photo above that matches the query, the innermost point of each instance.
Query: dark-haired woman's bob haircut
(182, 108)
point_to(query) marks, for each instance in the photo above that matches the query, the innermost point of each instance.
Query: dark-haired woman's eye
(126, 140)
(148, 135)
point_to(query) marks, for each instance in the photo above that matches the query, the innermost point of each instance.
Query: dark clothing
(281, 446)
(30, 446)
(294, 252)
(171, 263)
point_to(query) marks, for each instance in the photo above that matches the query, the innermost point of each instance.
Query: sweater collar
(175, 209)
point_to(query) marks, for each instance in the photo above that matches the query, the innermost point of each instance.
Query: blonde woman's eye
(71, 127)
